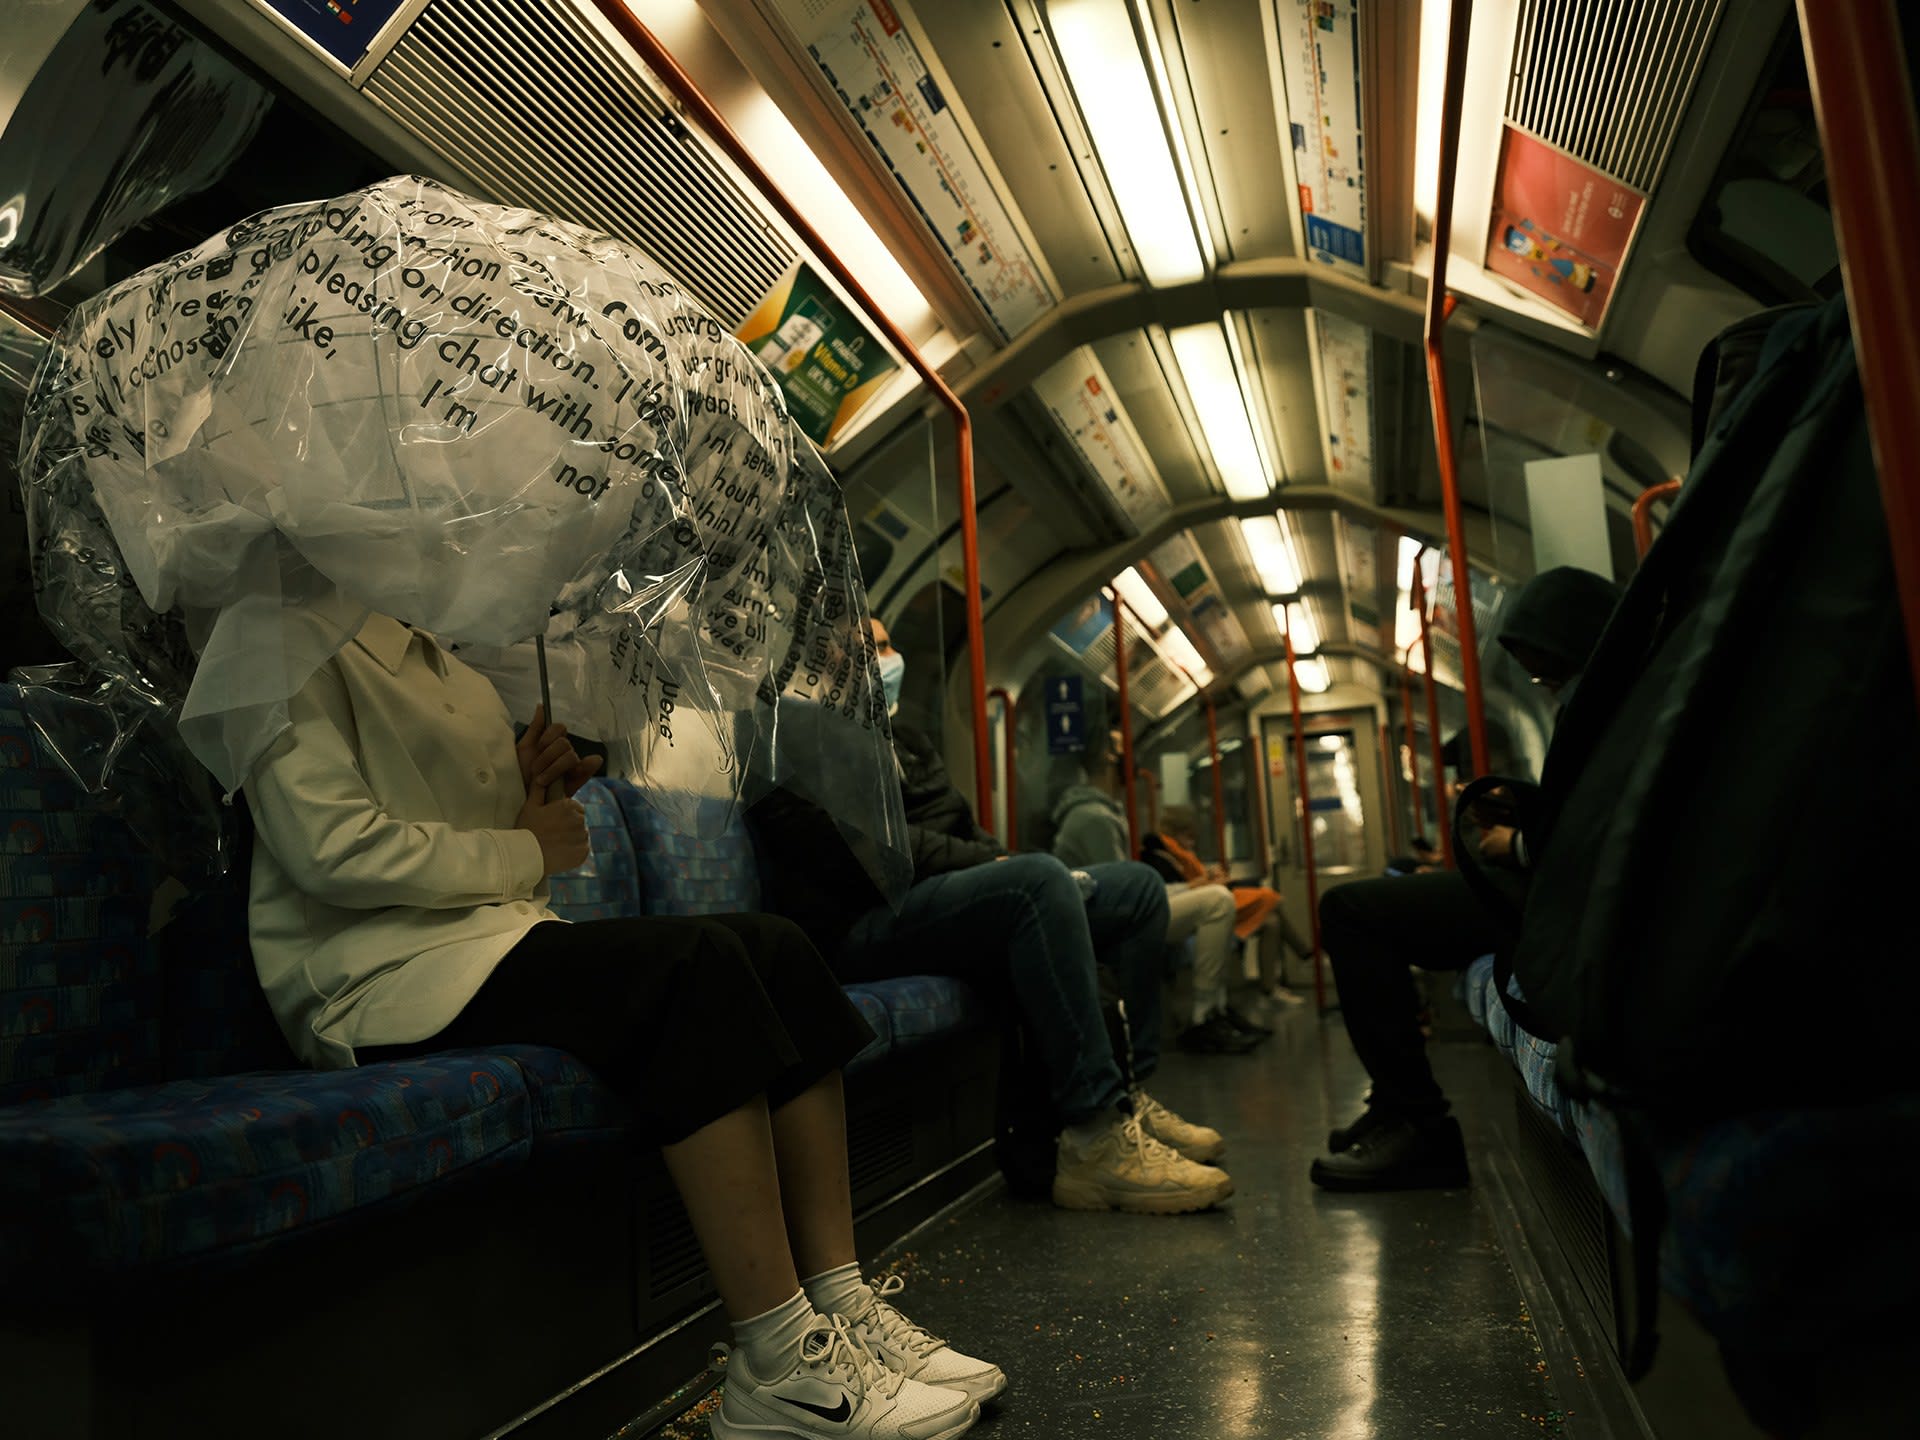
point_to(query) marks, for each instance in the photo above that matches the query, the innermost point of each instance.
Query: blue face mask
(893, 670)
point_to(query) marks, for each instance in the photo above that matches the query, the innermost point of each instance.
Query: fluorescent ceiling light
(1426, 110)
(1305, 634)
(1410, 549)
(1207, 366)
(1313, 676)
(1186, 655)
(1274, 558)
(1141, 599)
(1096, 44)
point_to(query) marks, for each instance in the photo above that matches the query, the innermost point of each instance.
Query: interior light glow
(1410, 549)
(1313, 675)
(1206, 365)
(1426, 111)
(1186, 655)
(1141, 599)
(1331, 742)
(1274, 558)
(1305, 634)
(1102, 58)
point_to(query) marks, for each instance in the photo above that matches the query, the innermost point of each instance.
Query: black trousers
(686, 1018)
(1373, 931)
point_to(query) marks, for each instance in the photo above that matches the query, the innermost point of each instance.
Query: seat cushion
(712, 872)
(922, 1006)
(569, 1104)
(873, 1009)
(607, 887)
(195, 1168)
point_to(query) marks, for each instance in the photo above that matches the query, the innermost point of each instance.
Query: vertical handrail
(1864, 104)
(1306, 815)
(1413, 745)
(1386, 775)
(1440, 812)
(1126, 717)
(1263, 852)
(1440, 306)
(1643, 513)
(1010, 781)
(658, 59)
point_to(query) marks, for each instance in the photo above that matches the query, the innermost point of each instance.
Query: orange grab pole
(1433, 718)
(1306, 821)
(1011, 782)
(1263, 853)
(1413, 748)
(1126, 718)
(658, 59)
(1864, 104)
(1643, 513)
(1439, 307)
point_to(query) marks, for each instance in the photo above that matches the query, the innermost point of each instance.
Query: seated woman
(399, 906)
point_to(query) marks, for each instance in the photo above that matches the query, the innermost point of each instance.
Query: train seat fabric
(107, 1182)
(151, 1113)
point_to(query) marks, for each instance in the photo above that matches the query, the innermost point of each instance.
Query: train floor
(1286, 1313)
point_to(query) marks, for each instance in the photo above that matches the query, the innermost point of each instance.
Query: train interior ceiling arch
(1173, 359)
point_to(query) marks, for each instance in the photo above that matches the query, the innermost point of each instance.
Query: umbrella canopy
(483, 421)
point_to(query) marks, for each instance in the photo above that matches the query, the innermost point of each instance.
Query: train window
(1766, 224)
(1334, 804)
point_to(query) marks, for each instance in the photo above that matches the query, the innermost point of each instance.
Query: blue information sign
(345, 29)
(1066, 716)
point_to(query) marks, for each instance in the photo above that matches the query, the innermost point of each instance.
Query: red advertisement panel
(1560, 228)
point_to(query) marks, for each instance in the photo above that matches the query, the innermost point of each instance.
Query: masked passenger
(399, 906)
(1375, 930)
(1018, 921)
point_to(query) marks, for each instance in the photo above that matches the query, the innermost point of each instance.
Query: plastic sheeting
(492, 425)
(126, 114)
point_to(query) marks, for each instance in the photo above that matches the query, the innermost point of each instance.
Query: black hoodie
(1560, 615)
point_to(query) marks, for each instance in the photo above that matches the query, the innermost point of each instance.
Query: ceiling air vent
(1607, 80)
(535, 101)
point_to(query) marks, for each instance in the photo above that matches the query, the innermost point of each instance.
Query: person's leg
(1215, 941)
(1127, 919)
(1373, 931)
(1191, 911)
(729, 1180)
(1019, 924)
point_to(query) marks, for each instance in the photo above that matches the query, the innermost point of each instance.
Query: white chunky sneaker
(1125, 1168)
(1196, 1142)
(915, 1352)
(835, 1389)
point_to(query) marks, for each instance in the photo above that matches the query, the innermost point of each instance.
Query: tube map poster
(826, 362)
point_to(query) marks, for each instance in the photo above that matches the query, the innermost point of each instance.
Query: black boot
(1214, 1036)
(1245, 1026)
(1399, 1155)
(1348, 1136)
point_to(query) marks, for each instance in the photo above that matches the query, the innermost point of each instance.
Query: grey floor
(1286, 1313)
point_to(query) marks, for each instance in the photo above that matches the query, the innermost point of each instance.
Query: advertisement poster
(1559, 228)
(1320, 57)
(825, 360)
(344, 29)
(867, 54)
(1080, 397)
(1085, 625)
(1346, 400)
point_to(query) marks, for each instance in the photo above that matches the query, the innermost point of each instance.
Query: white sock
(772, 1338)
(839, 1291)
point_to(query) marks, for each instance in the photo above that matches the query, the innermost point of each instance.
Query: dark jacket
(813, 879)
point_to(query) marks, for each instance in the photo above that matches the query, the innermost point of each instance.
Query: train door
(1345, 806)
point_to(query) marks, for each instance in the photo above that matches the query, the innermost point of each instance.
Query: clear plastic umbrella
(486, 422)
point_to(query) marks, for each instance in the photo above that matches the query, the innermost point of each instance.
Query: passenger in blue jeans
(1020, 922)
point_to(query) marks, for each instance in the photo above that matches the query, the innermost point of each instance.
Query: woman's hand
(561, 828)
(547, 756)
(1496, 842)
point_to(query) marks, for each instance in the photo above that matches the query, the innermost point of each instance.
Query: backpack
(1743, 737)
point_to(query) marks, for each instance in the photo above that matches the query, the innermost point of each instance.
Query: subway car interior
(1313, 606)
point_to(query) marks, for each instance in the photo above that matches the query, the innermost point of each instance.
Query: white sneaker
(1196, 1142)
(836, 1389)
(913, 1351)
(1125, 1168)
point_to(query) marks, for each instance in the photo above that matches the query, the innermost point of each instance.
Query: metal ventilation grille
(532, 100)
(1608, 80)
(1153, 686)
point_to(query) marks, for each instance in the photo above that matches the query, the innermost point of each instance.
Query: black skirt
(687, 1018)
